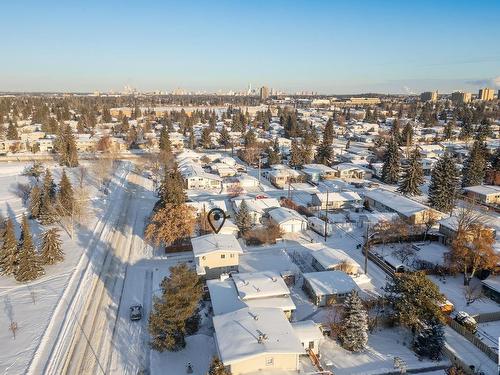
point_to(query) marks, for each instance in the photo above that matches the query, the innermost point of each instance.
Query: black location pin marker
(216, 219)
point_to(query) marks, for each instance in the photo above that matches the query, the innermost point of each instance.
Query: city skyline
(326, 47)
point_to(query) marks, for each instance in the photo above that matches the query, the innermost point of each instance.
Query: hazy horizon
(329, 47)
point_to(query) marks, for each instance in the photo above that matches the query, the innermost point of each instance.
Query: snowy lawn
(384, 346)
(453, 288)
(199, 351)
(32, 305)
(430, 252)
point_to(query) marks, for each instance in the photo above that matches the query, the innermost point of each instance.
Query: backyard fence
(492, 354)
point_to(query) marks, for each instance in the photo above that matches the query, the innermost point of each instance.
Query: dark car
(135, 312)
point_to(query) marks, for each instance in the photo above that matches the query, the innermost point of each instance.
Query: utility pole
(366, 249)
(259, 170)
(326, 214)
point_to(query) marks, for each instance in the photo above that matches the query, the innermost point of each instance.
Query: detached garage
(288, 220)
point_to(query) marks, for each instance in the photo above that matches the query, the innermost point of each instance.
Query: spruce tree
(69, 154)
(413, 175)
(324, 153)
(47, 214)
(8, 250)
(35, 202)
(12, 133)
(29, 266)
(296, 155)
(51, 251)
(65, 194)
(444, 184)
(171, 189)
(49, 187)
(354, 333)
(474, 169)
(181, 293)
(243, 219)
(225, 138)
(407, 134)
(430, 341)
(206, 139)
(165, 144)
(390, 169)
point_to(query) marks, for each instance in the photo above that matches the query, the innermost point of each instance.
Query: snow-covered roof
(208, 205)
(282, 214)
(260, 284)
(342, 196)
(483, 189)
(212, 242)
(250, 332)
(257, 205)
(321, 168)
(307, 330)
(330, 282)
(396, 202)
(329, 257)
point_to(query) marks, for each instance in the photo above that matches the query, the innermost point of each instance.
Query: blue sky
(327, 46)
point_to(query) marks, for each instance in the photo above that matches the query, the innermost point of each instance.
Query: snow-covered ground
(32, 305)
(383, 346)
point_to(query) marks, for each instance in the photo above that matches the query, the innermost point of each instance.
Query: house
(486, 194)
(328, 259)
(252, 289)
(280, 175)
(85, 143)
(328, 287)
(257, 207)
(448, 228)
(347, 171)
(491, 288)
(250, 340)
(196, 178)
(317, 172)
(216, 254)
(223, 170)
(335, 200)
(289, 221)
(409, 210)
(309, 334)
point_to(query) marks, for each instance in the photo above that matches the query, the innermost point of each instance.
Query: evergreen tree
(29, 267)
(324, 154)
(413, 175)
(49, 187)
(165, 143)
(273, 156)
(66, 147)
(217, 367)
(243, 219)
(448, 129)
(47, 213)
(444, 184)
(390, 169)
(65, 194)
(51, 251)
(12, 133)
(354, 333)
(171, 189)
(430, 341)
(296, 155)
(181, 293)
(35, 202)
(474, 169)
(407, 134)
(8, 250)
(191, 140)
(206, 140)
(225, 138)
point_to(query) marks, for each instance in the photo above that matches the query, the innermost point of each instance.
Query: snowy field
(384, 346)
(432, 252)
(32, 305)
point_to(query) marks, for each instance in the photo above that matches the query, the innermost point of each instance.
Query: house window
(203, 257)
(223, 256)
(311, 344)
(231, 255)
(269, 361)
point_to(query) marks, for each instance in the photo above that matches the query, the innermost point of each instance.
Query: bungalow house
(328, 259)
(250, 340)
(335, 200)
(486, 194)
(317, 172)
(252, 289)
(328, 287)
(257, 207)
(289, 221)
(409, 210)
(448, 228)
(352, 171)
(216, 254)
(280, 175)
(309, 334)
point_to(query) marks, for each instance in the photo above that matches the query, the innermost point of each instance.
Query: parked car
(135, 312)
(467, 321)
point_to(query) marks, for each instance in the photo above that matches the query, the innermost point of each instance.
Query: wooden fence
(492, 354)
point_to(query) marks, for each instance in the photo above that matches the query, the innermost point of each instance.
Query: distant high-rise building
(459, 97)
(486, 94)
(429, 96)
(264, 93)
